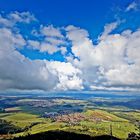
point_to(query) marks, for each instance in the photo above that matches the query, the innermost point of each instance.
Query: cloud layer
(111, 64)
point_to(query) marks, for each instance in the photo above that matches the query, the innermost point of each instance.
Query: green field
(21, 119)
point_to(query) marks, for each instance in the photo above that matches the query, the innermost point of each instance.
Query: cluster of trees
(133, 135)
(8, 128)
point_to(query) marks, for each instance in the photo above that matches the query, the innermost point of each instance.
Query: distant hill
(62, 135)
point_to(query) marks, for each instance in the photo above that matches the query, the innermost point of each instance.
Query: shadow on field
(62, 135)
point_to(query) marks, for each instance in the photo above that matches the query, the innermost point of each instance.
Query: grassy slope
(104, 115)
(22, 119)
(132, 116)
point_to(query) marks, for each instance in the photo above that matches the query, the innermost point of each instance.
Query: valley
(91, 114)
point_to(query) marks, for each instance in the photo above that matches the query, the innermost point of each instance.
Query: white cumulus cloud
(113, 63)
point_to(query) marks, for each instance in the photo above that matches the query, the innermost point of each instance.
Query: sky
(69, 45)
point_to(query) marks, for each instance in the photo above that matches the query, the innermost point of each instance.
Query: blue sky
(88, 14)
(75, 44)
